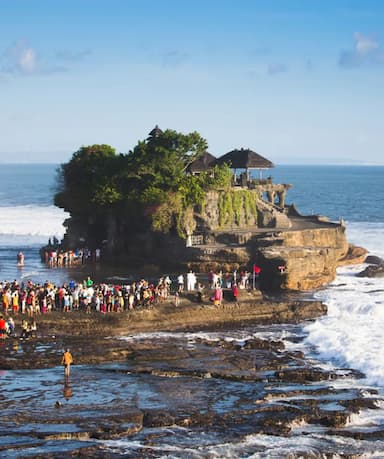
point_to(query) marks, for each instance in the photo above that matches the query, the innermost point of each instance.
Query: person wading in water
(67, 360)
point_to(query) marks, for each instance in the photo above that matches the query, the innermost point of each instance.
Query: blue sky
(297, 81)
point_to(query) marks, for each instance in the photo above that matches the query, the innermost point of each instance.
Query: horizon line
(354, 164)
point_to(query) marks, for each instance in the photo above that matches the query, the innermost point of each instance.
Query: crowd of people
(56, 258)
(32, 299)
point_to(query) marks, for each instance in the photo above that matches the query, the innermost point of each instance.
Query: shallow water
(101, 394)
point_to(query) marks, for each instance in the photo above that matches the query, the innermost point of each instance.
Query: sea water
(352, 333)
(28, 218)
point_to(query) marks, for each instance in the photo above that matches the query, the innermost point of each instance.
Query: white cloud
(366, 51)
(364, 45)
(20, 58)
(27, 61)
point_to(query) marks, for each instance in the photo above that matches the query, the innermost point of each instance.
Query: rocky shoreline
(130, 383)
(74, 329)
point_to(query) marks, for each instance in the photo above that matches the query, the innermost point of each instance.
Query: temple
(251, 224)
(268, 199)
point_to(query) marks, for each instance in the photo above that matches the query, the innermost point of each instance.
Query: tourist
(20, 259)
(200, 288)
(228, 280)
(167, 285)
(10, 326)
(218, 296)
(15, 302)
(88, 282)
(24, 330)
(177, 299)
(32, 328)
(66, 302)
(191, 281)
(180, 283)
(3, 327)
(6, 301)
(66, 361)
(215, 280)
(235, 292)
(131, 300)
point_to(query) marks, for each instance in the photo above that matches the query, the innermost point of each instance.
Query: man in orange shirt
(67, 360)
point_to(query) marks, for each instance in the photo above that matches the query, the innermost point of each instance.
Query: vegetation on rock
(237, 207)
(147, 186)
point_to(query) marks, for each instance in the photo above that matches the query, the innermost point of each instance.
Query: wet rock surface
(372, 271)
(374, 260)
(135, 393)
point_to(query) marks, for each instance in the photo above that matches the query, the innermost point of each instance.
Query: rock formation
(235, 227)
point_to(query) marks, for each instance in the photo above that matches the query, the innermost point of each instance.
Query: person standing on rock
(3, 327)
(180, 282)
(235, 292)
(191, 281)
(67, 360)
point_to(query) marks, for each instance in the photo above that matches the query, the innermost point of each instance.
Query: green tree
(148, 187)
(87, 181)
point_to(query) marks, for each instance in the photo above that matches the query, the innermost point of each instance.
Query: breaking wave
(32, 220)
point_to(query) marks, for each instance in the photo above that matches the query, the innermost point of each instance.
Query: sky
(297, 81)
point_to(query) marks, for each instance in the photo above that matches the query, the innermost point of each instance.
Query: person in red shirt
(235, 291)
(3, 328)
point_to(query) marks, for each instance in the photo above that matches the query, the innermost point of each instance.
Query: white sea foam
(32, 220)
(368, 235)
(352, 334)
(254, 446)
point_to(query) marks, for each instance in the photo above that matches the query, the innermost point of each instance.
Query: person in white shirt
(180, 282)
(191, 281)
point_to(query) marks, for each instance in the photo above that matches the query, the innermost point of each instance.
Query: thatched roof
(156, 132)
(202, 163)
(245, 159)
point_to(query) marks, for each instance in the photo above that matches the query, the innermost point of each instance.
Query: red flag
(256, 269)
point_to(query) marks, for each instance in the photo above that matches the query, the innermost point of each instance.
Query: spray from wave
(31, 222)
(352, 332)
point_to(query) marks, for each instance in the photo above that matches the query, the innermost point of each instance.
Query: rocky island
(170, 204)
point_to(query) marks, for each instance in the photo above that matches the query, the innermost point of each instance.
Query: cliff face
(235, 230)
(289, 260)
(305, 259)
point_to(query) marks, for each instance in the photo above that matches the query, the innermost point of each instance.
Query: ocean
(350, 336)
(28, 219)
